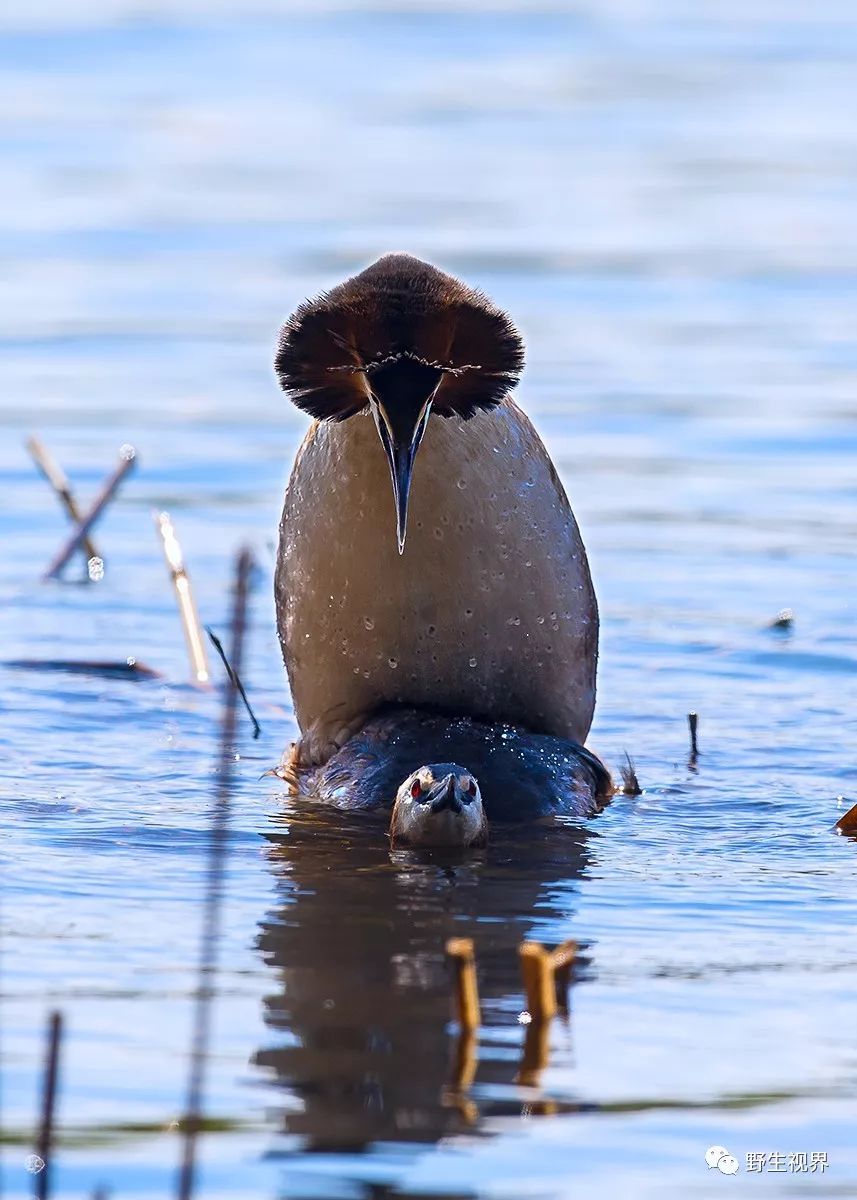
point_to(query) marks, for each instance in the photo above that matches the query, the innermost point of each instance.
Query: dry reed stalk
(466, 991)
(127, 461)
(193, 633)
(58, 480)
(537, 974)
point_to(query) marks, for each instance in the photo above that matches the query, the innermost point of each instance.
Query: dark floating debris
(130, 669)
(630, 783)
(127, 461)
(44, 1146)
(784, 619)
(58, 480)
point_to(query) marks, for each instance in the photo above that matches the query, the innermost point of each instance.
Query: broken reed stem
(466, 991)
(218, 646)
(693, 724)
(538, 979)
(194, 640)
(127, 460)
(219, 832)
(58, 480)
(44, 1146)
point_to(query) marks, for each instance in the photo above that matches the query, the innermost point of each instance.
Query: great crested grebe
(428, 554)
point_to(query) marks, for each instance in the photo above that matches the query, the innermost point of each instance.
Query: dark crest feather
(398, 307)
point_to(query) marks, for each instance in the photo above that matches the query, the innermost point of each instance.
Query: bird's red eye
(416, 788)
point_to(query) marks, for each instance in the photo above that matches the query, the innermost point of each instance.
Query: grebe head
(439, 805)
(403, 340)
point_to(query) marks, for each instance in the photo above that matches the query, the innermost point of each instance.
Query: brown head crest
(405, 320)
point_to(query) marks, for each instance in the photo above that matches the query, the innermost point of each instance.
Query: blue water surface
(661, 193)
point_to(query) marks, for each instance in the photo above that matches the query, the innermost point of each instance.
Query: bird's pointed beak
(401, 400)
(401, 469)
(443, 796)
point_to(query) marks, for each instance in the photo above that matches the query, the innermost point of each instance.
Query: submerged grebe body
(486, 607)
(448, 778)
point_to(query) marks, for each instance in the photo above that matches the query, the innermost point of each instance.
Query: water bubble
(461, 484)
(514, 621)
(369, 623)
(468, 612)
(127, 452)
(95, 568)
(392, 663)
(473, 662)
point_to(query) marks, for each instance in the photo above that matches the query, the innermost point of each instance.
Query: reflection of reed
(214, 885)
(44, 1147)
(361, 1007)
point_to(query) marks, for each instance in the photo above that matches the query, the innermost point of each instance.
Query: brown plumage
(398, 320)
(488, 609)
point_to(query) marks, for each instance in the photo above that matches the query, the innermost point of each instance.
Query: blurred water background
(662, 194)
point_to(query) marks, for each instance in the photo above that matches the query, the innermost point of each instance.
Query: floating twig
(630, 783)
(207, 969)
(693, 726)
(184, 597)
(44, 1146)
(129, 669)
(127, 460)
(218, 645)
(466, 992)
(58, 480)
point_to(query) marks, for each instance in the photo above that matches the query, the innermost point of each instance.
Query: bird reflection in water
(361, 1014)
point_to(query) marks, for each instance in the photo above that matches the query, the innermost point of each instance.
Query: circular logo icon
(719, 1156)
(728, 1164)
